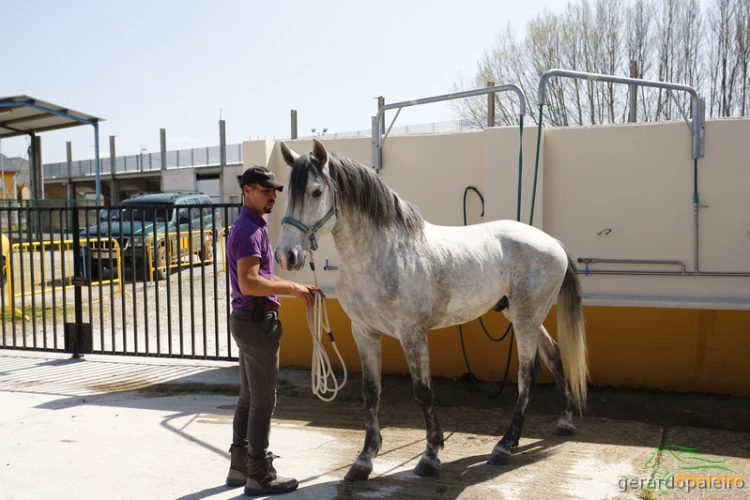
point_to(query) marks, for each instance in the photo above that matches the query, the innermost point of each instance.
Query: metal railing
(83, 288)
(181, 158)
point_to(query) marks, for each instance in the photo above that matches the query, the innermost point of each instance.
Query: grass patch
(284, 383)
(350, 398)
(646, 495)
(38, 312)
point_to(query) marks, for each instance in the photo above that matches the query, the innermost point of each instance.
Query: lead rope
(317, 321)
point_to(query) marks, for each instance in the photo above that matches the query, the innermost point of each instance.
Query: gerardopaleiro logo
(680, 467)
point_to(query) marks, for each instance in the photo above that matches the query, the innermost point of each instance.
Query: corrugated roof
(21, 115)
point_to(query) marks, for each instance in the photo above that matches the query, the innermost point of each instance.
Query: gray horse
(401, 276)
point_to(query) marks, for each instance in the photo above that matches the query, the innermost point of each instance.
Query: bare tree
(723, 56)
(639, 28)
(609, 27)
(742, 37)
(670, 40)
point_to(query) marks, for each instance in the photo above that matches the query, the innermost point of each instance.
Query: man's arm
(252, 283)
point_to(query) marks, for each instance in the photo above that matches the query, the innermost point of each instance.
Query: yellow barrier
(54, 276)
(170, 252)
(224, 234)
(57, 273)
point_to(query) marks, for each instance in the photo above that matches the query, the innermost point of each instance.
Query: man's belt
(266, 306)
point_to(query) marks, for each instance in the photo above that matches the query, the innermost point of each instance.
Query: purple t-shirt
(248, 238)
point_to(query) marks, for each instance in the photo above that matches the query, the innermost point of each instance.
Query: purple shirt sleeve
(250, 246)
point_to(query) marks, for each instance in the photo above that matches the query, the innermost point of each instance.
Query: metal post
(163, 147)
(114, 191)
(294, 124)
(69, 151)
(36, 180)
(376, 163)
(633, 92)
(98, 166)
(2, 172)
(491, 106)
(222, 157)
(32, 170)
(78, 338)
(381, 103)
(71, 184)
(38, 166)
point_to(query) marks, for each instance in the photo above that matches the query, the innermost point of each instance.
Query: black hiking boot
(262, 478)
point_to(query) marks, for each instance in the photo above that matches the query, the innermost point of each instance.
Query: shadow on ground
(461, 407)
(454, 478)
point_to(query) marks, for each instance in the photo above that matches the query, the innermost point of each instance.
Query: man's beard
(268, 208)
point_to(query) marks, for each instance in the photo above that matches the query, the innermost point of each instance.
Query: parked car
(156, 219)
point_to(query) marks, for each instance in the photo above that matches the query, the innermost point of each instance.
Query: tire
(207, 250)
(160, 259)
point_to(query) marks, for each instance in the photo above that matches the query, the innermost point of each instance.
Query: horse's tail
(571, 335)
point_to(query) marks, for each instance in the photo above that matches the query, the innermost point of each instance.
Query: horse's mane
(360, 189)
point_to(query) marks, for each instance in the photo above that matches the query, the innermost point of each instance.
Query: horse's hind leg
(527, 338)
(550, 352)
(370, 352)
(418, 358)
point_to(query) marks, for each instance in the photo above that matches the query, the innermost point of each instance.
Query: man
(255, 326)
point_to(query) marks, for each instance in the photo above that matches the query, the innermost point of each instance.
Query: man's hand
(306, 293)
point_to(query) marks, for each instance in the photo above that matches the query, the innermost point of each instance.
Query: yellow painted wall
(689, 350)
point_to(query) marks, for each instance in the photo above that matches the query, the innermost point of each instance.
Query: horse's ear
(288, 155)
(320, 153)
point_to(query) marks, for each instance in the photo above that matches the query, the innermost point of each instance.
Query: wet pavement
(121, 428)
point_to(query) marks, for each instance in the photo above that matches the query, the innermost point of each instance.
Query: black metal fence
(143, 280)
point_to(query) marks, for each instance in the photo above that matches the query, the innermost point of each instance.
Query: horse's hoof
(358, 473)
(500, 455)
(561, 431)
(427, 467)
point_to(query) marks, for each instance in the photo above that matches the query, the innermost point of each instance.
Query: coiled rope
(321, 371)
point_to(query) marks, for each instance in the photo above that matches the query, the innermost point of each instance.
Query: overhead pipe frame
(698, 104)
(697, 128)
(378, 139)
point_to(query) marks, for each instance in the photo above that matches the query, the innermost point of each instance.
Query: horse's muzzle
(290, 260)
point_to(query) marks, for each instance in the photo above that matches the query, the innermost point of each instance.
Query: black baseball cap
(260, 175)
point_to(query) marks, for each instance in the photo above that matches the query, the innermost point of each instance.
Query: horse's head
(312, 205)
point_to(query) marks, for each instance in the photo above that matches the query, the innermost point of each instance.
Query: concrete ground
(141, 428)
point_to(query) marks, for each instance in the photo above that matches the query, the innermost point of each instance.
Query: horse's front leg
(418, 358)
(370, 351)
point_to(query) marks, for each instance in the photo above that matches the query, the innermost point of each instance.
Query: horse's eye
(317, 193)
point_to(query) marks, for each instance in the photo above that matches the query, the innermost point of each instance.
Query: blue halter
(310, 231)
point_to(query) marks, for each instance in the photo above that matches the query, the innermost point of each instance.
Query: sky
(181, 65)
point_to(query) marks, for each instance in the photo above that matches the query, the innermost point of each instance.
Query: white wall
(635, 179)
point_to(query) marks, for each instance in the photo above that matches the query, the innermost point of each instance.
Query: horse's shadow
(451, 483)
(454, 479)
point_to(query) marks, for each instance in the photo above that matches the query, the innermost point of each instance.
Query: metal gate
(146, 280)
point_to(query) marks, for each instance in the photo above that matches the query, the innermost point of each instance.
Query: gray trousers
(259, 370)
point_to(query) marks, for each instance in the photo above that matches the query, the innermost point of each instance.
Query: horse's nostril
(290, 259)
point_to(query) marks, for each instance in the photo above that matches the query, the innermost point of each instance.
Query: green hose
(481, 323)
(536, 167)
(520, 167)
(695, 181)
